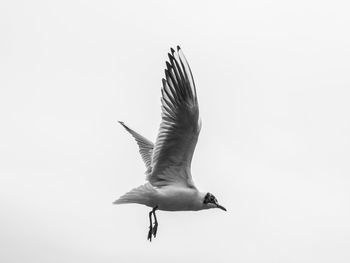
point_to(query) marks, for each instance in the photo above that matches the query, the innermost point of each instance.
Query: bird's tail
(139, 195)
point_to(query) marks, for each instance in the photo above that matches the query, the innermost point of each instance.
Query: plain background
(274, 88)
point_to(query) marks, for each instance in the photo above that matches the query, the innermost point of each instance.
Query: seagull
(169, 185)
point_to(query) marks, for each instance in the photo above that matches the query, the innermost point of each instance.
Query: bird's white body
(167, 198)
(171, 198)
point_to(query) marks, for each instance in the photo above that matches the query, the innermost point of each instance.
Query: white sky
(274, 88)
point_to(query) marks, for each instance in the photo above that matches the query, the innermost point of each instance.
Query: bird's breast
(171, 198)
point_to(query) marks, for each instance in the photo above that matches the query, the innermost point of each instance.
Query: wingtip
(178, 48)
(123, 124)
(171, 57)
(168, 65)
(172, 50)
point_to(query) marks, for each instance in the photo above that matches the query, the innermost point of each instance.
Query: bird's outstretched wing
(180, 127)
(145, 146)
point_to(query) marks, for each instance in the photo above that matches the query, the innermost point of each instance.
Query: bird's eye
(207, 198)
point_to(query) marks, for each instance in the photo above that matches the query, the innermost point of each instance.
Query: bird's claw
(150, 232)
(154, 230)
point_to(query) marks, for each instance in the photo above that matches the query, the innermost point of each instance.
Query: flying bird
(169, 184)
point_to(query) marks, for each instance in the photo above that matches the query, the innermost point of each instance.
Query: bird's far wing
(180, 127)
(145, 146)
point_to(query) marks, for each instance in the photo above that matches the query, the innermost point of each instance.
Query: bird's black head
(210, 201)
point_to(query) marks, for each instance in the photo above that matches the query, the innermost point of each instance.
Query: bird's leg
(149, 237)
(155, 227)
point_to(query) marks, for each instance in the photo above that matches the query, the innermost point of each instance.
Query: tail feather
(139, 195)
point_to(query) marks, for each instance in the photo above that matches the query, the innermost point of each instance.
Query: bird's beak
(221, 207)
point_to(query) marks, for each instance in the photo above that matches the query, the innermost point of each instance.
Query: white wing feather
(179, 129)
(145, 146)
